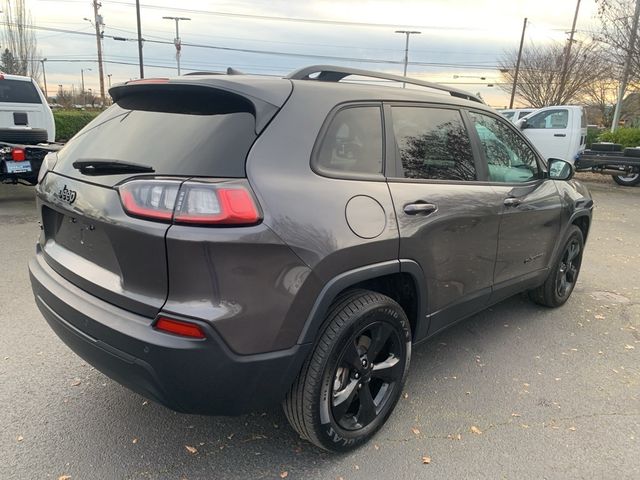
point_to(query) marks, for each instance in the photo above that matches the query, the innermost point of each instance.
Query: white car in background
(516, 114)
(557, 132)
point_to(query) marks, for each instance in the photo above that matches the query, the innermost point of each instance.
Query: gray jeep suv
(221, 243)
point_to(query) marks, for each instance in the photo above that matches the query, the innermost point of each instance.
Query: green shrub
(629, 137)
(70, 122)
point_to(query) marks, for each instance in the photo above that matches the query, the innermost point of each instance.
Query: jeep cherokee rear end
(153, 261)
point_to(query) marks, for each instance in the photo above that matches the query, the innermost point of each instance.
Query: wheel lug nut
(357, 375)
(364, 363)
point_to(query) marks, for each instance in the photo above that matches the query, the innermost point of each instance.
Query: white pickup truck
(27, 129)
(557, 131)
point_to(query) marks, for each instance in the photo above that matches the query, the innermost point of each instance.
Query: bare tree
(18, 37)
(616, 20)
(541, 71)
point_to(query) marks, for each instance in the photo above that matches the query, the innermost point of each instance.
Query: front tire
(562, 279)
(353, 379)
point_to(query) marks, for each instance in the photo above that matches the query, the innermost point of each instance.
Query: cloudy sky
(463, 38)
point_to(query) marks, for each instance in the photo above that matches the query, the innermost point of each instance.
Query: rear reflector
(18, 154)
(179, 327)
(191, 202)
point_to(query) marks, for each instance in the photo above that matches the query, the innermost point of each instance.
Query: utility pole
(406, 50)
(84, 97)
(567, 56)
(44, 75)
(177, 42)
(98, 23)
(139, 39)
(627, 67)
(515, 75)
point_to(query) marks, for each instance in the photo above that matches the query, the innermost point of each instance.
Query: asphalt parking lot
(518, 391)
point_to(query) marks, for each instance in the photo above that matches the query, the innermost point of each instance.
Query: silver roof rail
(330, 73)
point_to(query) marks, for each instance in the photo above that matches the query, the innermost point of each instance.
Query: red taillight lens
(209, 204)
(193, 202)
(152, 199)
(18, 155)
(179, 327)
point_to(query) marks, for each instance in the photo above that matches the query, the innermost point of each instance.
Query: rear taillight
(18, 154)
(179, 327)
(47, 164)
(152, 199)
(191, 202)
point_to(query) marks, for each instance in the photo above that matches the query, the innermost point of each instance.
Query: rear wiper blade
(110, 167)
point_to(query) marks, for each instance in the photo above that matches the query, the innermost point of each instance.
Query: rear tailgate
(180, 131)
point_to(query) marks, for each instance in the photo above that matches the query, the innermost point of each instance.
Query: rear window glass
(204, 132)
(18, 91)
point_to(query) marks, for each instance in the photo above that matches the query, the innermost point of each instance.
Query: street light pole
(44, 74)
(406, 49)
(565, 66)
(515, 76)
(177, 42)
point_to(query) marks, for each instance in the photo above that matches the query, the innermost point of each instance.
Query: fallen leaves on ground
(64, 477)
(134, 441)
(599, 317)
(415, 431)
(76, 382)
(629, 347)
(426, 460)
(20, 438)
(284, 474)
(476, 430)
(516, 415)
(191, 450)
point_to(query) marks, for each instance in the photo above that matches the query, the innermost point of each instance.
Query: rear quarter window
(351, 143)
(18, 91)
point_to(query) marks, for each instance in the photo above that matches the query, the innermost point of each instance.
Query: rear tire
(353, 379)
(627, 180)
(557, 288)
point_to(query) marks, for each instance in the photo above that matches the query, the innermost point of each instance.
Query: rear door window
(432, 144)
(191, 132)
(18, 91)
(352, 143)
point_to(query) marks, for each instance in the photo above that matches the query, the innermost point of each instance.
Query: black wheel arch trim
(349, 278)
(586, 213)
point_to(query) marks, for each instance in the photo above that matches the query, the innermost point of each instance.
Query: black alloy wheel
(563, 275)
(569, 267)
(369, 369)
(353, 379)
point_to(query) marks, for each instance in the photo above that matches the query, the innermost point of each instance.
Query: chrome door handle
(419, 208)
(512, 201)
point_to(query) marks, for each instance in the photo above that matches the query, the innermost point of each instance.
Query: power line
(278, 53)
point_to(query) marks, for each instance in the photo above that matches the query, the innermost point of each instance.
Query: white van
(557, 131)
(25, 116)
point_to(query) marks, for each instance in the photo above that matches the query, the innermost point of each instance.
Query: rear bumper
(187, 375)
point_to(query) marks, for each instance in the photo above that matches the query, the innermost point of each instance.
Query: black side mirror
(560, 169)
